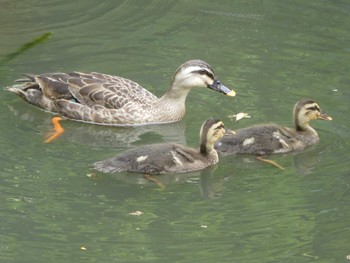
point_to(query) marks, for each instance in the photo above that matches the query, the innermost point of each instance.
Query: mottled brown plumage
(112, 100)
(167, 158)
(272, 138)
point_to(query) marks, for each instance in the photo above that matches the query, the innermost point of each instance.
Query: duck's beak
(218, 86)
(324, 116)
(229, 131)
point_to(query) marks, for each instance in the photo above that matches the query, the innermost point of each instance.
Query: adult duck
(113, 100)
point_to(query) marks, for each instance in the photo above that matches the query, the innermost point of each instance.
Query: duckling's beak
(229, 131)
(324, 116)
(218, 86)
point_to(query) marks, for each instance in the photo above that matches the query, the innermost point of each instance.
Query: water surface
(271, 52)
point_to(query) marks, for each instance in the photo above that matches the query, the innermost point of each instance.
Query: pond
(272, 53)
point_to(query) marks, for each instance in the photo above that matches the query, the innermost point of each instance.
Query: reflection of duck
(211, 184)
(106, 136)
(305, 162)
(168, 157)
(112, 100)
(273, 138)
(98, 136)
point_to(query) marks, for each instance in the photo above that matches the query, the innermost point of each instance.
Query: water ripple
(235, 15)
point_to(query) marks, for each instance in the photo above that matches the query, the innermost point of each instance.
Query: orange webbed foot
(56, 131)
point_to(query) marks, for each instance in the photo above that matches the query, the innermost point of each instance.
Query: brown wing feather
(112, 92)
(125, 88)
(92, 97)
(94, 88)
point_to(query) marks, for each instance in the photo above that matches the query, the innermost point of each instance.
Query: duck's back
(101, 98)
(154, 159)
(97, 88)
(126, 89)
(259, 139)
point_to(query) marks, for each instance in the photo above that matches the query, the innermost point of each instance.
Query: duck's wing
(148, 159)
(289, 139)
(112, 92)
(89, 89)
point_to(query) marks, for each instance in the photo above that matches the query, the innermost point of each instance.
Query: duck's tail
(30, 92)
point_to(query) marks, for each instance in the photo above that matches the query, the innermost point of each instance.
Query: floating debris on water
(136, 213)
(239, 116)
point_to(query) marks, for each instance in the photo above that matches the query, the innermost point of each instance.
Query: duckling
(272, 138)
(113, 100)
(167, 158)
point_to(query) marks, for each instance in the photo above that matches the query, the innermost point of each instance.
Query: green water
(271, 52)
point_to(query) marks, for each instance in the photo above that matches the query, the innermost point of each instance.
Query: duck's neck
(304, 127)
(306, 134)
(209, 153)
(205, 149)
(176, 92)
(206, 144)
(172, 103)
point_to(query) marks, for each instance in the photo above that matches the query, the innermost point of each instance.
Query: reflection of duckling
(168, 157)
(273, 138)
(112, 100)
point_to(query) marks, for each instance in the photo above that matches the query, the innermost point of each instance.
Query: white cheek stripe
(190, 69)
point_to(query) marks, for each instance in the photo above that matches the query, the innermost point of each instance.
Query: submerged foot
(273, 163)
(153, 180)
(56, 131)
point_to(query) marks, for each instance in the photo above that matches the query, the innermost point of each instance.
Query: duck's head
(306, 110)
(197, 73)
(211, 131)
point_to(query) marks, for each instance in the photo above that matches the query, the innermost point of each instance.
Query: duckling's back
(260, 140)
(155, 159)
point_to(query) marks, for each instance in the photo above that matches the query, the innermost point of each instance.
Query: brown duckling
(273, 138)
(167, 158)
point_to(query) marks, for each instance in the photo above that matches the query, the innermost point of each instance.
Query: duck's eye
(221, 126)
(314, 108)
(204, 72)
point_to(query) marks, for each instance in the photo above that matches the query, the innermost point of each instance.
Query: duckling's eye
(314, 108)
(221, 126)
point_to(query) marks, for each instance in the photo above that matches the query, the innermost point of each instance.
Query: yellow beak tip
(232, 93)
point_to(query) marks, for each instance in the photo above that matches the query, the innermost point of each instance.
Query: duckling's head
(306, 110)
(211, 131)
(197, 73)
